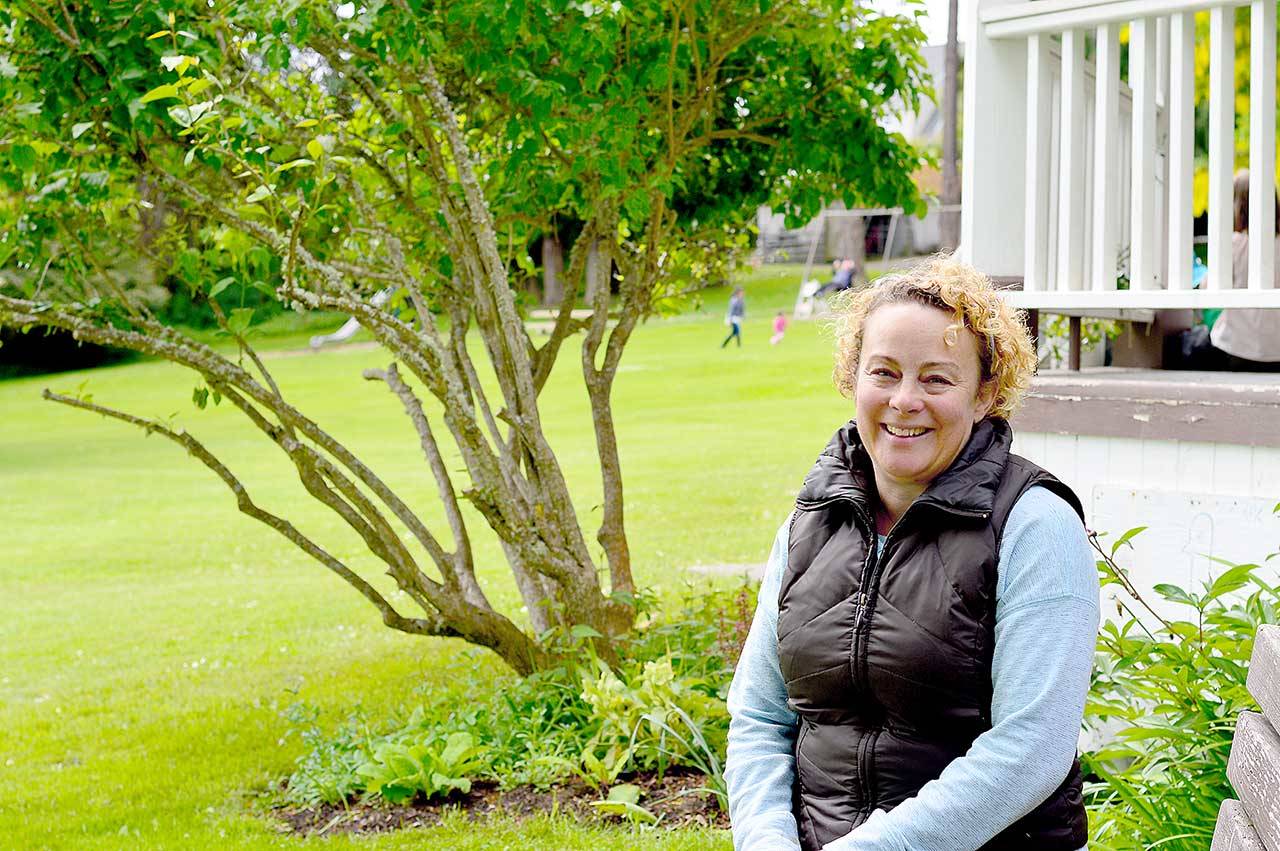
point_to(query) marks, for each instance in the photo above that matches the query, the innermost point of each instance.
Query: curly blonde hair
(1005, 351)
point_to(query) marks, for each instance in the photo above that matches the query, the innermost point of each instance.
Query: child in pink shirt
(779, 328)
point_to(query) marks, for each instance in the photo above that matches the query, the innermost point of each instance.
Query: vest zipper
(862, 598)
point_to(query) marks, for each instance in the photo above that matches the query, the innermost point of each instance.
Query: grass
(151, 637)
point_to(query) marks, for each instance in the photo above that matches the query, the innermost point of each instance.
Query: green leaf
(397, 793)
(315, 149)
(200, 396)
(78, 130)
(1174, 594)
(23, 157)
(1125, 538)
(1233, 580)
(445, 783)
(457, 748)
(628, 792)
(595, 768)
(238, 321)
(221, 285)
(582, 630)
(292, 164)
(258, 194)
(168, 90)
(627, 810)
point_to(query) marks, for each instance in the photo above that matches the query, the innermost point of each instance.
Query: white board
(1184, 533)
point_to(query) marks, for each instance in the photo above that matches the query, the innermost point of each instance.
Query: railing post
(1071, 184)
(1039, 120)
(1144, 265)
(1106, 133)
(1222, 110)
(1262, 145)
(1181, 147)
(995, 137)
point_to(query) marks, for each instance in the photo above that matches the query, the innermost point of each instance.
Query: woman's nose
(906, 397)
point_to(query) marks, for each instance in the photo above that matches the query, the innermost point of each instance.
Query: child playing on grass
(779, 328)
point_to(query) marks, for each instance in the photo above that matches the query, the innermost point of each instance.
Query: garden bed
(676, 800)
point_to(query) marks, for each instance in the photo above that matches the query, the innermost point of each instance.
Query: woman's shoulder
(1043, 517)
(1042, 504)
(1044, 551)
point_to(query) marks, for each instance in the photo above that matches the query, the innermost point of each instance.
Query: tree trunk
(950, 115)
(858, 247)
(552, 270)
(845, 232)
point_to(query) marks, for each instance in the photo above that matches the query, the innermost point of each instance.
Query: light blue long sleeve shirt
(1046, 630)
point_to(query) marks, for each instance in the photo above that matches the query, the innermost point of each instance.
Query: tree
(319, 157)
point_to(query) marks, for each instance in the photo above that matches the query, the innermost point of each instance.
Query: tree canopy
(316, 154)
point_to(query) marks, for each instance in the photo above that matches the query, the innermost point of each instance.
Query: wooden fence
(1253, 822)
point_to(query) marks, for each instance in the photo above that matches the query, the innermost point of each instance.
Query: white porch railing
(1107, 181)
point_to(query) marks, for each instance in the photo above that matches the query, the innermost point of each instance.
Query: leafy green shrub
(1175, 686)
(642, 717)
(663, 706)
(400, 771)
(326, 772)
(528, 724)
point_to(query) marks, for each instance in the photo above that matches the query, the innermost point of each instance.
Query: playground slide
(352, 325)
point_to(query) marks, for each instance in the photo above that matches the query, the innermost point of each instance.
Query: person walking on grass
(737, 309)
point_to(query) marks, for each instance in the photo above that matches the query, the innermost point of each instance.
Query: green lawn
(152, 636)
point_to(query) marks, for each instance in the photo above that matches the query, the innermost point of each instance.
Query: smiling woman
(916, 672)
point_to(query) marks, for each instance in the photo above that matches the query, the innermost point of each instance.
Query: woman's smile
(905, 432)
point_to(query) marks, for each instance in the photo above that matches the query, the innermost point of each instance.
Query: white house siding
(1200, 501)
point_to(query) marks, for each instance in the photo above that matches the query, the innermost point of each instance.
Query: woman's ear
(985, 401)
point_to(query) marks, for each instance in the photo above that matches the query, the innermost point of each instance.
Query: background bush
(663, 707)
(1174, 686)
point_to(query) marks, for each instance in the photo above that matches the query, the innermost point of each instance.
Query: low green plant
(663, 706)
(598, 772)
(326, 772)
(1174, 687)
(624, 801)
(641, 711)
(697, 752)
(400, 771)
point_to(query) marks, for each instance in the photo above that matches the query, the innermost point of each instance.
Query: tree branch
(433, 625)
(462, 557)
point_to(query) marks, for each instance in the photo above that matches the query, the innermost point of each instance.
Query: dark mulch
(672, 799)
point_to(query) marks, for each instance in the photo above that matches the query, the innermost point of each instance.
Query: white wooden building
(1107, 189)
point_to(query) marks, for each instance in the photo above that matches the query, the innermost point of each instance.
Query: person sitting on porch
(915, 674)
(1248, 338)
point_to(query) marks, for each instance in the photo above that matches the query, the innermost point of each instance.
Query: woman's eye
(937, 379)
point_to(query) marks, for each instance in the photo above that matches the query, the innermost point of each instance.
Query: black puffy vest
(887, 659)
